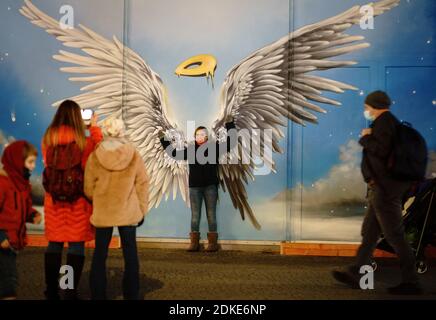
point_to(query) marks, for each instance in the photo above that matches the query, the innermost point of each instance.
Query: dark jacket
(201, 174)
(377, 148)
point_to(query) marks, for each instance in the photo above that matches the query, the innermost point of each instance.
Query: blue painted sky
(167, 32)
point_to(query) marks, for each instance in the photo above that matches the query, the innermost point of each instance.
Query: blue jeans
(210, 196)
(98, 279)
(75, 248)
(8, 274)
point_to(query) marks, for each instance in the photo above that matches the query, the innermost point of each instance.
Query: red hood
(13, 164)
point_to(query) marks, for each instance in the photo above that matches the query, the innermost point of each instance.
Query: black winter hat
(378, 100)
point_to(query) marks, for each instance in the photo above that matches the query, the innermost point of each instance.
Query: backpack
(408, 159)
(63, 176)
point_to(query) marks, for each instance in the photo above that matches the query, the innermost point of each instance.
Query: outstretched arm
(174, 153)
(231, 141)
(96, 136)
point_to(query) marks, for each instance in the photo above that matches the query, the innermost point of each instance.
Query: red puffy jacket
(15, 210)
(69, 222)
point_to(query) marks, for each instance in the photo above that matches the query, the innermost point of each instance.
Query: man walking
(385, 195)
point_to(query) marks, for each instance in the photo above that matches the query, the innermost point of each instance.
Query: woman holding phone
(65, 150)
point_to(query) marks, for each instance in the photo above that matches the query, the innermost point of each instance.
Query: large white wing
(120, 83)
(273, 85)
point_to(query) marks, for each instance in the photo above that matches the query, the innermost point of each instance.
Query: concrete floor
(169, 274)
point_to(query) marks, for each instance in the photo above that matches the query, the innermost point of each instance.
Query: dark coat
(377, 147)
(201, 174)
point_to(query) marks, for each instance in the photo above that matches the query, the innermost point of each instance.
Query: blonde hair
(113, 127)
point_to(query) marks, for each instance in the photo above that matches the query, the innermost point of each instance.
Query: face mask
(27, 174)
(368, 116)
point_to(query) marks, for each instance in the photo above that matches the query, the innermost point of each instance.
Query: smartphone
(87, 116)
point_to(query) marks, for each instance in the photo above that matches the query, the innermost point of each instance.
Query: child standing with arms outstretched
(203, 180)
(18, 162)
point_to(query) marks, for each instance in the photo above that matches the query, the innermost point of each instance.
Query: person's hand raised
(94, 120)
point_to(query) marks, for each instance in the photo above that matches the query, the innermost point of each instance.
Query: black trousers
(8, 274)
(98, 280)
(384, 215)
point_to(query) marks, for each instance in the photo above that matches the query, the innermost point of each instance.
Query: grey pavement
(169, 274)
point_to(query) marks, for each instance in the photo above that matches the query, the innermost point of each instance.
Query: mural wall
(317, 192)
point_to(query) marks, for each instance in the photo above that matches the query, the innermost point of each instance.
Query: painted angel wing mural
(261, 92)
(273, 85)
(120, 83)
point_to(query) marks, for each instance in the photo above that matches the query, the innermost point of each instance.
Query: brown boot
(195, 242)
(212, 238)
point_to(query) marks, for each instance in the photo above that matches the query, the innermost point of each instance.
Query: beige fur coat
(117, 184)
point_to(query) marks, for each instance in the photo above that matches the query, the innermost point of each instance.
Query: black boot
(76, 262)
(52, 265)
(349, 277)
